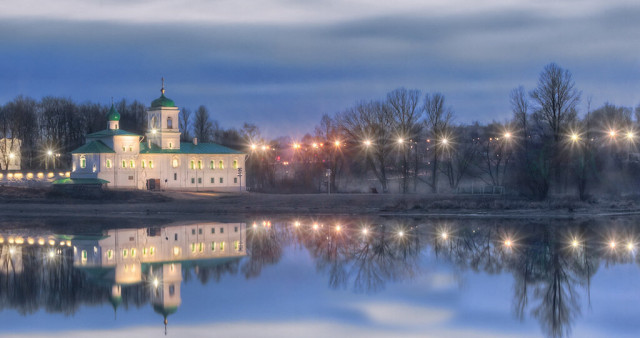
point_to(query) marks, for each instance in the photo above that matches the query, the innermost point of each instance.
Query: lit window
(125, 252)
(221, 246)
(192, 164)
(200, 164)
(201, 247)
(144, 251)
(84, 256)
(193, 247)
(150, 164)
(236, 245)
(109, 254)
(175, 163)
(235, 164)
(133, 252)
(83, 162)
(132, 164)
(108, 163)
(170, 145)
(152, 251)
(176, 251)
(212, 164)
(130, 148)
(144, 164)
(213, 246)
(124, 163)
(220, 165)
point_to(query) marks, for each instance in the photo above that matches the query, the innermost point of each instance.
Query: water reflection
(551, 263)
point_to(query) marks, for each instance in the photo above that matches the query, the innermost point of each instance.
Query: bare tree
(556, 99)
(185, 125)
(437, 122)
(202, 126)
(403, 107)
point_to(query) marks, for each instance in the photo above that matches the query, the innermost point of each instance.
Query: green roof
(94, 147)
(189, 148)
(162, 101)
(80, 181)
(113, 114)
(165, 311)
(110, 132)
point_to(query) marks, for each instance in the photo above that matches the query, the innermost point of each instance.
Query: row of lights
(39, 175)
(31, 241)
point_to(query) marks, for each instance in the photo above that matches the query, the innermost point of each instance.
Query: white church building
(157, 160)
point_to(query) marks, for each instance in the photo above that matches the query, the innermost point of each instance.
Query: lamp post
(240, 178)
(46, 161)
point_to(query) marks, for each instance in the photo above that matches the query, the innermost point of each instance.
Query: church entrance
(153, 184)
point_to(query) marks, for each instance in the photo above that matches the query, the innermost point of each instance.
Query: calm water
(323, 277)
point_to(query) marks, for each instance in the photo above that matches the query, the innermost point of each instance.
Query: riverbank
(173, 205)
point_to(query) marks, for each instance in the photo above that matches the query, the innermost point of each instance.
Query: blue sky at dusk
(282, 63)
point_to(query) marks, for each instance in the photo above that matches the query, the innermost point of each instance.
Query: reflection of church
(157, 160)
(155, 258)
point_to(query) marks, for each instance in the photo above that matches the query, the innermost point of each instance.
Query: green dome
(113, 114)
(162, 101)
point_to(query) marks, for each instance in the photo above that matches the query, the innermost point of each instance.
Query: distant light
(630, 135)
(315, 145)
(337, 143)
(575, 243)
(155, 282)
(296, 146)
(400, 140)
(41, 241)
(338, 228)
(444, 235)
(264, 148)
(30, 240)
(255, 225)
(153, 131)
(315, 226)
(51, 253)
(49, 152)
(12, 251)
(52, 242)
(400, 233)
(630, 246)
(507, 135)
(445, 141)
(365, 231)
(508, 243)
(11, 156)
(253, 147)
(367, 143)
(612, 133)
(296, 224)
(612, 244)
(574, 137)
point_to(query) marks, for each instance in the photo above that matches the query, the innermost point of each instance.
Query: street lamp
(400, 140)
(367, 142)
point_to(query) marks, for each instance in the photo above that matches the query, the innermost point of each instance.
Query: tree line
(411, 142)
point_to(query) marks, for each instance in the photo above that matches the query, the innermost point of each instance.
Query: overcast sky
(283, 63)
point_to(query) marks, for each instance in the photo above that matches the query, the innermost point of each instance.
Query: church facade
(156, 160)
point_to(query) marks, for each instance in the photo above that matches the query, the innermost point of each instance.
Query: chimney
(195, 141)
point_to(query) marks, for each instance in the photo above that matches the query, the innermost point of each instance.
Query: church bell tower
(163, 123)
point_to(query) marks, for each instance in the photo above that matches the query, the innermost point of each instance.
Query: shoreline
(181, 205)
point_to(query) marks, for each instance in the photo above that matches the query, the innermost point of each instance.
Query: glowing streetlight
(400, 233)
(365, 231)
(264, 148)
(367, 142)
(444, 235)
(153, 131)
(51, 253)
(612, 244)
(253, 147)
(49, 152)
(296, 224)
(156, 282)
(507, 135)
(444, 141)
(575, 243)
(508, 243)
(400, 141)
(296, 146)
(630, 246)
(337, 143)
(338, 228)
(12, 156)
(630, 136)
(612, 133)
(315, 226)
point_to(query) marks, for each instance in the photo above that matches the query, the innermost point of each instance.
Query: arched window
(169, 123)
(132, 164)
(83, 162)
(200, 164)
(221, 165)
(154, 122)
(170, 145)
(175, 163)
(235, 164)
(192, 164)
(108, 163)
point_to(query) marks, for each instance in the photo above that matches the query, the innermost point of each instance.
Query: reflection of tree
(264, 247)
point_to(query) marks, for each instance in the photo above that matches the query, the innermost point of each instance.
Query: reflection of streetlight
(574, 137)
(612, 133)
(264, 148)
(11, 156)
(253, 147)
(507, 135)
(337, 143)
